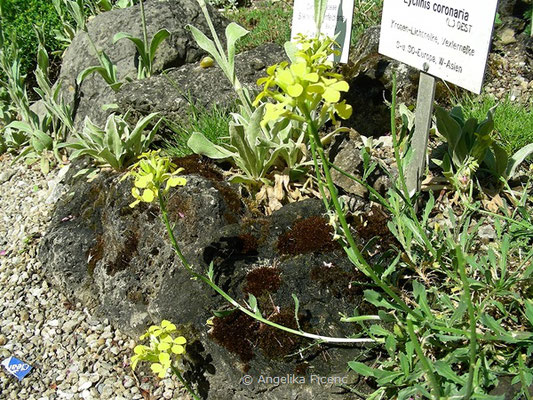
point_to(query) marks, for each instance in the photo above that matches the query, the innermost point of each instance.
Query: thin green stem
(360, 260)
(423, 359)
(148, 68)
(234, 303)
(184, 382)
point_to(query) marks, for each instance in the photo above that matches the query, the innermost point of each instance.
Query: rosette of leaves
(116, 145)
(472, 145)
(254, 151)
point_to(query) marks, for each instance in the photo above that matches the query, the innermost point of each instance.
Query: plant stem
(184, 382)
(234, 303)
(423, 359)
(360, 260)
(148, 67)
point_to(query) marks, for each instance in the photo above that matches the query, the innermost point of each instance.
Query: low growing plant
(472, 145)
(146, 48)
(117, 144)
(163, 352)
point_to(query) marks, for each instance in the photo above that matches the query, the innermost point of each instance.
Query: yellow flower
(162, 348)
(150, 173)
(299, 88)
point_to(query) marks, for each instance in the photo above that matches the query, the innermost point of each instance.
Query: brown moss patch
(338, 281)
(262, 280)
(249, 243)
(308, 235)
(237, 332)
(198, 165)
(375, 225)
(301, 369)
(276, 343)
(232, 200)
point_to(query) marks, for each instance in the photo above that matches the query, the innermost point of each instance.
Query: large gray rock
(118, 261)
(171, 93)
(178, 49)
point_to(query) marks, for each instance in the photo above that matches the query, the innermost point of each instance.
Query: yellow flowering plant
(162, 351)
(307, 88)
(150, 173)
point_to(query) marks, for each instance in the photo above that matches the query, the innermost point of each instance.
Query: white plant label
(448, 39)
(337, 21)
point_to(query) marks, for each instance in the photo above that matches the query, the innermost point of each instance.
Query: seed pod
(206, 62)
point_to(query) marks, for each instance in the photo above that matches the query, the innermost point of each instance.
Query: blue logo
(16, 367)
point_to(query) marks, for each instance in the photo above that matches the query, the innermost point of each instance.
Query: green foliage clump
(267, 22)
(512, 120)
(366, 13)
(18, 18)
(471, 145)
(213, 123)
(116, 145)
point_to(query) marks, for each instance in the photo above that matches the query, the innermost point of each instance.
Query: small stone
(167, 394)
(24, 315)
(69, 326)
(3, 340)
(128, 382)
(507, 36)
(486, 233)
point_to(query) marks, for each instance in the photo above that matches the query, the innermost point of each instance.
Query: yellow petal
(341, 86)
(180, 340)
(140, 349)
(318, 88)
(298, 69)
(295, 90)
(164, 358)
(343, 110)
(148, 195)
(143, 181)
(331, 95)
(163, 346)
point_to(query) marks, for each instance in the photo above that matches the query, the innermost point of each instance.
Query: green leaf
(444, 370)
(208, 45)
(135, 141)
(377, 299)
(247, 159)
(517, 159)
(296, 310)
(448, 127)
(156, 41)
(499, 160)
(233, 33)
(199, 144)
(419, 291)
(362, 369)
(529, 311)
(88, 71)
(40, 141)
(291, 49)
(319, 12)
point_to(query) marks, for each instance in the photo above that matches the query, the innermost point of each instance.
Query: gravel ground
(74, 354)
